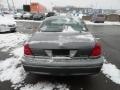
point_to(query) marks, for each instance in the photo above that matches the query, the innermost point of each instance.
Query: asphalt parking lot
(108, 35)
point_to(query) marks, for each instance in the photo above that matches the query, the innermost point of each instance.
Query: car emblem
(61, 45)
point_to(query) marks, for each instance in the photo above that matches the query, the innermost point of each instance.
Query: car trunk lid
(61, 44)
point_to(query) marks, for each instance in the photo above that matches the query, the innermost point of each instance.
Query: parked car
(7, 24)
(62, 46)
(6, 12)
(99, 18)
(27, 15)
(38, 16)
(18, 15)
(49, 14)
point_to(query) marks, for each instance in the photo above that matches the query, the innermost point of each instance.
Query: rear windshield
(60, 24)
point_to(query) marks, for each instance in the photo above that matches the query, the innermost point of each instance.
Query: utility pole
(30, 1)
(8, 5)
(13, 5)
(26, 2)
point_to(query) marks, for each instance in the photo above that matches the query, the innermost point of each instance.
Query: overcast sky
(104, 4)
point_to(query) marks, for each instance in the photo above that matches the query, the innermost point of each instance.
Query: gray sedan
(62, 46)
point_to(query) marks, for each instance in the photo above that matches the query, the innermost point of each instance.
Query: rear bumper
(83, 67)
(62, 71)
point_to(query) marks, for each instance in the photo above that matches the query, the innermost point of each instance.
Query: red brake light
(96, 52)
(27, 50)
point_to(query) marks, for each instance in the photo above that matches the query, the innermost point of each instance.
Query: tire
(15, 17)
(102, 21)
(95, 21)
(12, 31)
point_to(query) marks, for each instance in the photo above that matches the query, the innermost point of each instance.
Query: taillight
(96, 52)
(27, 50)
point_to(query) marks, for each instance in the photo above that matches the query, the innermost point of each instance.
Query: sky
(102, 4)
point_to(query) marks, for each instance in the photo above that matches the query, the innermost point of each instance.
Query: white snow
(12, 70)
(44, 86)
(69, 29)
(112, 72)
(9, 70)
(105, 23)
(112, 23)
(8, 41)
(37, 42)
(89, 36)
(28, 21)
(18, 52)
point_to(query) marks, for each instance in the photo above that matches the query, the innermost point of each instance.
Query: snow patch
(18, 52)
(10, 70)
(37, 42)
(90, 37)
(8, 41)
(28, 21)
(112, 72)
(44, 86)
(105, 23)
(69, 29)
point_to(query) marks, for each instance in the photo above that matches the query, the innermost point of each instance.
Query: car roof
(56, 17)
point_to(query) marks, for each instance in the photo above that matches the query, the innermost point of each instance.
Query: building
(113, 17)
(26, 8)
(108, 11)
(37, 8)
(97, 11)
(72, 9)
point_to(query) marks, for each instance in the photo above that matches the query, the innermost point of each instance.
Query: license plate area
(61, 52)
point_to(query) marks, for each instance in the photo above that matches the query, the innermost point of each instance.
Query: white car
(7, 24)
(27, 15)
(99, 18)
(18, 15)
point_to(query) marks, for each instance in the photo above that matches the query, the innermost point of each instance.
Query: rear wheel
(13, 30)
(15, 17)
(102, 21)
